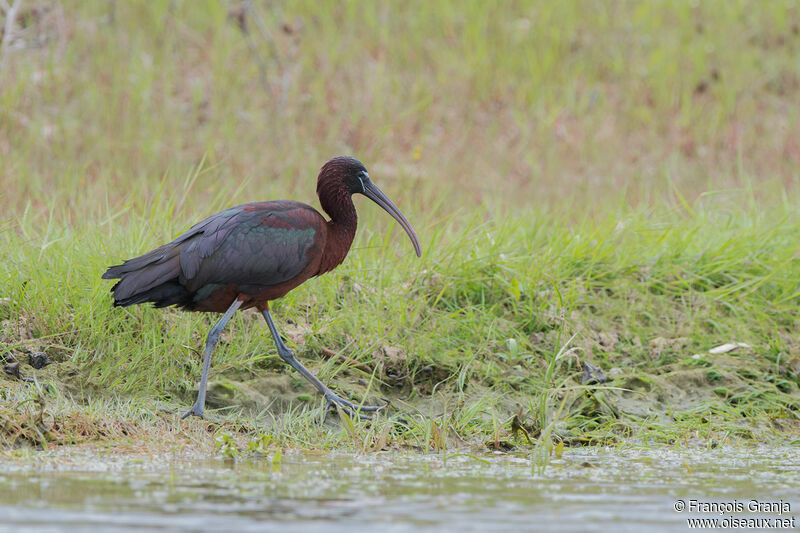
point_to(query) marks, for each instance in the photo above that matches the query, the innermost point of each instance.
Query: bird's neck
(341, 230)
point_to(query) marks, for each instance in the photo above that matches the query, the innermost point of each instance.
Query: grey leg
(213, 336)
(287, 355)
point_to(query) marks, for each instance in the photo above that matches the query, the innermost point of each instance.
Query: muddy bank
(717, 396)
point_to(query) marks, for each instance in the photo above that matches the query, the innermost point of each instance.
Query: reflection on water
(587, 490)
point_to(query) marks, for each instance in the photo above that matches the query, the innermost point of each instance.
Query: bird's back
(261, 250)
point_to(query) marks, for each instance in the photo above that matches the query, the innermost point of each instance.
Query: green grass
(612, 182)
(468, 329)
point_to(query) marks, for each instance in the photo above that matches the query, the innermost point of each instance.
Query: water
(587, 490)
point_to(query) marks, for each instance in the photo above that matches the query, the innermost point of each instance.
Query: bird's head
(344, 176)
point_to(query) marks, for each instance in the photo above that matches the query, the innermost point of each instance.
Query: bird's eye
(361, 177)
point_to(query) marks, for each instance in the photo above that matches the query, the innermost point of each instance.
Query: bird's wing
(261, 245)
(258, 244)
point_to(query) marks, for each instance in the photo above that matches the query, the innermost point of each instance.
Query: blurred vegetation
(511, 103)
(605, 181)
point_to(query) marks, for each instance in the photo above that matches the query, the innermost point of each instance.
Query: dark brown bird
(250, 254)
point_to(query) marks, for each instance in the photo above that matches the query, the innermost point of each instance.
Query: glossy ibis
(250, 254)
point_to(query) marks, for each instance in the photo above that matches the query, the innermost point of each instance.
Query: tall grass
(441, 323)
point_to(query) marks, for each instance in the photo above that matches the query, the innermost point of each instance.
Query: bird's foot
(196, 410)
(334, 400)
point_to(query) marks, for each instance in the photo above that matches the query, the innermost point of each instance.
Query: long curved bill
(372, 192)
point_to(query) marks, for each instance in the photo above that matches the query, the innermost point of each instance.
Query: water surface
(586, 490)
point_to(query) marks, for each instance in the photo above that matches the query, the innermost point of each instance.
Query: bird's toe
(352, 409)
(194, 411)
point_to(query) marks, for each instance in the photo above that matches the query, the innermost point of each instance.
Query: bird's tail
(152, 277)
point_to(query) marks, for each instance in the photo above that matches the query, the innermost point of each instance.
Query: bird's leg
(213, 336)
(287, 355)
